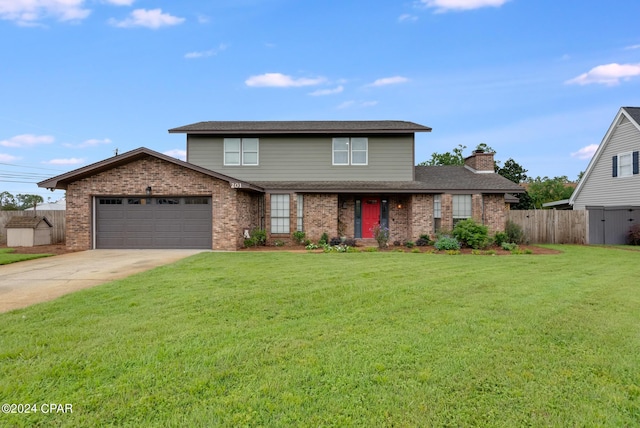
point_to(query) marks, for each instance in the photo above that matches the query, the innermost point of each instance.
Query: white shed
(25, 231)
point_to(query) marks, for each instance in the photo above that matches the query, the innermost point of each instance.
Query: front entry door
(370, 216)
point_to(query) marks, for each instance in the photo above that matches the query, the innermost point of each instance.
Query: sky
(539, 81)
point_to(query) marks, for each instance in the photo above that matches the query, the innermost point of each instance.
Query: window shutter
(635, 163)
(615, 166)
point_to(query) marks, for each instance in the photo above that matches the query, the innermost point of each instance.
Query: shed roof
(302, 127)
(26, 222)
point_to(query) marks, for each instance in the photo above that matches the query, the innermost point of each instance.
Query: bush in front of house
(514, 233)
(633, 236)
(471, 234)
(256, 237)
(499, 238)
(300, 237)
(446, 243)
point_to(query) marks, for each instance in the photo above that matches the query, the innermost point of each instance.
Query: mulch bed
(534, 249)
(55, 249)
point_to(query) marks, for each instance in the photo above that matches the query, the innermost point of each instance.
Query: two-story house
(336, 177)
(610, 186)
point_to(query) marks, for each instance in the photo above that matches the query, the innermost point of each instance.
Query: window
(240, 151)
(624, 165)
(196, 201)
(168, 201)
(111, 201)
(279, 213)
(350, 151)
(437, 212)
(300, 221)
(461, 207)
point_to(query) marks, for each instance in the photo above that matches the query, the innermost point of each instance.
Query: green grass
(357, 339)
(7, 256)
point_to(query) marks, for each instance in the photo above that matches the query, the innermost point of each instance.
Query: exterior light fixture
(149, 191)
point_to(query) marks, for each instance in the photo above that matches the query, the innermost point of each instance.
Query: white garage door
(158, 222)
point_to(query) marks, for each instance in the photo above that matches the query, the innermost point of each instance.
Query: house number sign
(236, 185)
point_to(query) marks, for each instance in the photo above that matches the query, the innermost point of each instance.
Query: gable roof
(428, 179)
(62, 181)
(302, 127)
(26, 222)
(630, 113)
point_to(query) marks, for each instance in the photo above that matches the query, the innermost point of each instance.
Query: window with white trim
(437, 212)
(625, 165)
(241, 151)
(350, 151)
(279, 213)
(461, 207)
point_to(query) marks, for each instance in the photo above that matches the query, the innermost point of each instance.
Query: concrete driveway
(25, 283)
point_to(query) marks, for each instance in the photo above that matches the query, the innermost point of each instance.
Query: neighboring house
(336, 177)
(610, 187)
(60, 205)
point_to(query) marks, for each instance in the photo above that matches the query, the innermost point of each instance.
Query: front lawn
(355, 339)
(7, 256)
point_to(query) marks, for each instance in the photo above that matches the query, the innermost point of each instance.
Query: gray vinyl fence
(552, 226)
(56, 217)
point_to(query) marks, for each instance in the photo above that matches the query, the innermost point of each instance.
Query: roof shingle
(302, 127)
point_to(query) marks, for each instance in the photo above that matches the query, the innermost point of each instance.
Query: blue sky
(538, 80)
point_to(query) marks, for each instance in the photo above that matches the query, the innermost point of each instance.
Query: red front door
(370, 216)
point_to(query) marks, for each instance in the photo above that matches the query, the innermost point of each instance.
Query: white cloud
(632, 47)
(406, 17)
(120, 2)
(389, 81)
(356, 104)
(608, 74)
(177, 153)
(8, 158)
(68, 161)
(446, 5)
(29, 12)
(280, 80)
(153, 18)
(204, 54)
(585, 152)
(93, 142)
(27, 140)
(321, 92)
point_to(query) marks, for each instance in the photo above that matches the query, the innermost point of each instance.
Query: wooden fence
(56, 217)
(552, 226)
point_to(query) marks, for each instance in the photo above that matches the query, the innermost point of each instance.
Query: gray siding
(601, 189)
(308, 159)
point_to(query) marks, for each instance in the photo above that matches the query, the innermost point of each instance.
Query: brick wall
(320, 215)
(164, 178)
(421, 216)
(480, 162)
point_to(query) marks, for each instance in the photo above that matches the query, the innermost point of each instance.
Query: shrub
(324, 239)
(311, 246)
(514, 233)
(633, 236)
(509, 246)
(499, 238)
(421, 242)
(397, 243)
(453, 252)
(381, 234)
(256, 237)
(415, 250)
(447, 243)
(409, 244)
(471, 234)
(299, 236)
(335, 241)
(350, 242)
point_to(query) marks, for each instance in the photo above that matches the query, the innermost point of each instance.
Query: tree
(8, 202)
(545, 189)
(512, 171)
(28, 201)
(448, 158)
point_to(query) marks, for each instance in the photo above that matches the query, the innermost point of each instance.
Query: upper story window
(240, 151)
(625, 164)
(350, 151)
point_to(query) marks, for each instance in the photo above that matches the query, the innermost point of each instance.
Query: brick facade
(165, 179)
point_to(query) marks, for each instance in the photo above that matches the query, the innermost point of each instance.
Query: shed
(26, 231)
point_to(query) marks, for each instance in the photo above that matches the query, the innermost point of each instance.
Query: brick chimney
(480, 161)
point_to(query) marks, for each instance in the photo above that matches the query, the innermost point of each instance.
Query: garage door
(159, 222)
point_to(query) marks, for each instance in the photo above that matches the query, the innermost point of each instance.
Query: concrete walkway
(25, 283)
